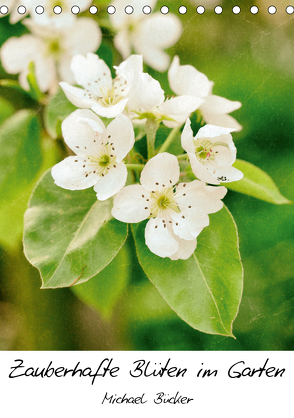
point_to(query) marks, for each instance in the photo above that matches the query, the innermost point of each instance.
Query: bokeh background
(250, 58)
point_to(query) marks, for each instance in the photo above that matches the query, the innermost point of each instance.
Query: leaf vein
(210, 292)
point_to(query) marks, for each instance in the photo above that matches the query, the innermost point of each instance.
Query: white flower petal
(120, 132)
(201, 197)
(211, 131)
(182, 105)
(219, 105)
(210, 201)
(130, 204)
(14, 15)
(148, 92)
(204, 171)
(128, 68)
(221, 120)
(186, 249)
(17, 53)
(12, 9)
(79, 136)
(64, 70)
(95, 125)
(49, 26)
(111, 111)
(91, 72)
(159, 238)
(122, 43)
(120, 19)
(177, 120)
(161, 31)
(112, 182)
(45, 71)
(154, 57)
(22, 79)
(185, 79)
(225, 174)
(188, 223)
(224, 156)
(82, 37)
(77, 96)
(187, 138)
(153, 35)
(163, 169)
(72, 175)
(215, 110)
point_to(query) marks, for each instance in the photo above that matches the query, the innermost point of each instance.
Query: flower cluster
(176, 211)
(54, 39)
(63, 49)
(52, 43)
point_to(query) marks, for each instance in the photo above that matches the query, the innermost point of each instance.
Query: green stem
(169, 139)
(135, 166)
(182, 156)
(151, 127)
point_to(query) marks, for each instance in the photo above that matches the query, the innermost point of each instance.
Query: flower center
(54, 48)
(113, 95)
(203, 150)
(53, 3)
(163, 203)
(132, 27)
(103, 162)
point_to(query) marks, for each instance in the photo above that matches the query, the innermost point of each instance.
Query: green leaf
(59, 107)
(14, 85)
(20, 157)
(256, 183)
(205, 290)
(34, 92)
(7, 109)
(20, 162)
(12, 211)
(145, 303)
(103, 290)
(70, 234)
(105, 52)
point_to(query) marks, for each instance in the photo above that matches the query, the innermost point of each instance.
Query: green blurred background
(250, 58)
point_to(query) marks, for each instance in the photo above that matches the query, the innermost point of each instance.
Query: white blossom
(148, 101)
(104, 96)
(211, 153)
(185, 79)
(177, 213)
(51, 48)
(48, 5)
(99, 153)
(147, 34)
